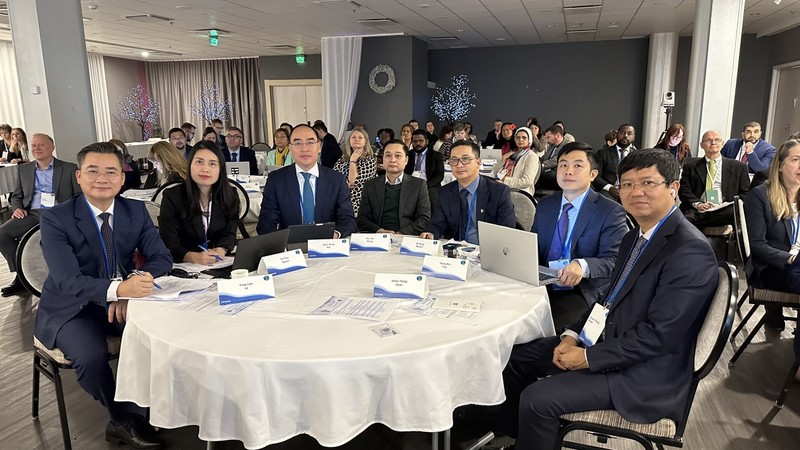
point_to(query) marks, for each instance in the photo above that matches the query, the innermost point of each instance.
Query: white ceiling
(278, 27)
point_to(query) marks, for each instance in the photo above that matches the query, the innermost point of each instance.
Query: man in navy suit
(639, 357)
(469, 199)
(592, 227)
(88, 243)
(750, 149)
(285, 202)
(235, 152)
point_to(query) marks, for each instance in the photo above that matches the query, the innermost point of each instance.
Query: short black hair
(664, 162)
(420, 132)
(236, 129)
(414, 120)
(389, 131)
(320, 125)
(100, 147)
(625, 125)
(591, 155)
(396, 141)
(175, 130)
(476, 149)
(213, 121)
(187, 125)
(302, 125)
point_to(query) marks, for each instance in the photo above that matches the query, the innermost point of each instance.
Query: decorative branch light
(208, 105)
(137, 106)
(453, 103)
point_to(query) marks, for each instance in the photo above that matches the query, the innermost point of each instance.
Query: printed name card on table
(446, 268)
(248, 289)
(328, 248)
(412, 246)
(282, 263)
(400, 286)
(370, 242)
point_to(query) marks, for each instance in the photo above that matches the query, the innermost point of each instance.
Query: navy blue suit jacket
(647, 353)
(762, 155)
(598, 244)
(493, 205)
(768, 236)
(245, 154)
(74, 254)
(280, 206)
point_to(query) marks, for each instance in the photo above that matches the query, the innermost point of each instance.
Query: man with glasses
(709, 182)
(219, 127)
(426, 164)
(306, 192)
(636, 353)
(177, 137)
(236, 152)
(750, 149)
(41, 184)
(88, 243)
(469, 199)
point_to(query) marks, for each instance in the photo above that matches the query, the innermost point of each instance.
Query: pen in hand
(205, 249)
(139, 272)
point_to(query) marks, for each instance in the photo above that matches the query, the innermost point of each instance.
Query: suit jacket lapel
(318, 196)
(586, 212)
(482, 200)
(727, 174)
(295, 200)
(547, 227)
(403, 194)
(88, 226)
(58, 169)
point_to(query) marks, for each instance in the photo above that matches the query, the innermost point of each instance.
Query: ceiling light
(424, 5)
(378, 21)
(500, 39)
(148, 18)
(442, 38)
(587, 30)
(145, 54)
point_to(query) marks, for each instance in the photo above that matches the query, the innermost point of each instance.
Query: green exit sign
(213, 37)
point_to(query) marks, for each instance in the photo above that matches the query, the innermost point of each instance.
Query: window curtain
(341, 62)
(97, 80)
(177, 85)
(10, 99)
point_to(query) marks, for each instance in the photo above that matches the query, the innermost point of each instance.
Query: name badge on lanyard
(795, 248)
(594, 326)
(48, 200)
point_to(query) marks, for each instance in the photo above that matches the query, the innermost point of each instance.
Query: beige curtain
(97, 80)
(10, 99)
(176, 85)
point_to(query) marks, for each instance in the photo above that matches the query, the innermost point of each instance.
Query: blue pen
(205, 249)
(139, 272)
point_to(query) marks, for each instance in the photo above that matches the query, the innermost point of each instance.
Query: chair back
(160, 191)
(244, 199)
(260, 147)
(742, 238)
(524, 208)
(31, 266)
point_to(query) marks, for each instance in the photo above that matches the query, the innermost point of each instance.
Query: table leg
(435, 441)
(447, 439)
(209, 445)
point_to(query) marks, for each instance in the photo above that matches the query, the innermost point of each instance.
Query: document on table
(176, 289)
(207, 301)
(357, 307)
(718, 207)
(192, 267)
(425, 307)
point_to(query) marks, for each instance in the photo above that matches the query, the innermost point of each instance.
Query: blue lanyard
(469, 214)
(619, 282)
(102, 241)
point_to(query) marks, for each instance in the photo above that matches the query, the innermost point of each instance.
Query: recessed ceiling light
(755, 14)
(145, 54)
(424, 5)
(500, 39)
(550, 25)
(460, 30)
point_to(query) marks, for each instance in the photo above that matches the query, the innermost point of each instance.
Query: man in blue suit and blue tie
(750, 149)
(636, 354)
(579, 233)
(88, 243)
(306, 192)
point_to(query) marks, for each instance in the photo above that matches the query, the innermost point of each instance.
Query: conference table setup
(330, 350)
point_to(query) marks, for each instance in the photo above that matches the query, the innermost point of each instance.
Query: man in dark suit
(638, 358)
(469, 199)
(727, 178)
(750, 149)
(41, 184)
(331, 151)
(306, 192)
(177, 137)
(427, 164)
(609, 158)
(219, 127)
(88, 243)
(235, 152)
(555, 141)
(582, 239)
(394, 202)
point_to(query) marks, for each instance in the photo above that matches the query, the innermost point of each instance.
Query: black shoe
(134, 433)
(774, 319)
(12, 289)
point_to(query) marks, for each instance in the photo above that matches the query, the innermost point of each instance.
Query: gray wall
(591, 86)
(121, 76)
(285, 68)
(784, 48)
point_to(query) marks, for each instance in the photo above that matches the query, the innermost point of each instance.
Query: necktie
(637, 248)
(308, 199)
(557, 243)
(744, 156)
(418, 165)
(234, 157)
(712, 172)
(464, 213)
(108, 241)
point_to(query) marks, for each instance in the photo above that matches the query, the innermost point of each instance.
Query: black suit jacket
(245, 154)
(608, 161)
(331, 152)
(182, 236)
(415, 207)
(759, 178)
(434, 167)
(735, 181)
(648, 349)
(769, 237)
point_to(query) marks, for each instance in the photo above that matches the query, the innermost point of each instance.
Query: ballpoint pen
(205, 249)
(139, 272)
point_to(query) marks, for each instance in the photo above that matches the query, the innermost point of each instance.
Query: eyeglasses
(233, 136)
(646, 185)
(464, 160)
(712, 141)
(307, 144)
(93, 174)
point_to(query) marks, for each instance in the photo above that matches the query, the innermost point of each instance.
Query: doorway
(292, 101)
(784, 103)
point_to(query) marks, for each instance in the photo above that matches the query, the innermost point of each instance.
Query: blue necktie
(108, 241)
(560, 235)
(308, 199)
(234, 157)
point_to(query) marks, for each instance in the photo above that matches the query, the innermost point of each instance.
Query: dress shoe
(134, 433)
(774, 318)
(12, 289)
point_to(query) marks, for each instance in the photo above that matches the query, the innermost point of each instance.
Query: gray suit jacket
(415, 209)
(65, 184)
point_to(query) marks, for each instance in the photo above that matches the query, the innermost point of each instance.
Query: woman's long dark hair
(222, 193)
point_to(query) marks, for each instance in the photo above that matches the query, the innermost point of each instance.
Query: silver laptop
(513, 253)
(238, 168)
(491, 153)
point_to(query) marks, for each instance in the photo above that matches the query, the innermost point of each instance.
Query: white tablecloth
(9, 174)
(142, 148)
(272, 371)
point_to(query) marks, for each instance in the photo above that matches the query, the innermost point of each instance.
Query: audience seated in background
(608, 159)
(715, 177)
(459, 134)
(198, 219)
(236, 152)
(750, 149)
(470, 135)
(555, 141)
(506, 142)
(280, 155)
(469, 199)
(770, 211)
(395, 202)
(189, 130)
(5, 140)
(405, 134)
(567, 137)
(219, 127)
(539, 143)
(19, 147)
(331, 151)
(133, 178)
(169, 165)
(209, 135)
(520, 168)
(427, 164)
(430, 129)
(414, 124)
(638, 358)
(10, 145)
(177, 137)
(444, 136)
(493, 136)
(288, 127)
(357, 164)
(674, 141)
(582, 239)
(610, 139)
(306, 192)
(41, 184)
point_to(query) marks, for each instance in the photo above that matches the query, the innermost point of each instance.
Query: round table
(273, 371)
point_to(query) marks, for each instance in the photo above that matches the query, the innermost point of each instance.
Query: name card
(412, 246)
(400, 286)
(370, 242)
(248, 289)
(251, 187)
(328, 248)
(282, 263)
(446, 268)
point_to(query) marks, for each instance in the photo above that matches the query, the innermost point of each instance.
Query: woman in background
(169, 165)
(519, 169)
(506, 142)
(357, 164)
(133, 178)
(446, 135)
(675, 142)
(280, 156)
(19, 147)
(405, 134)
(209, 134)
